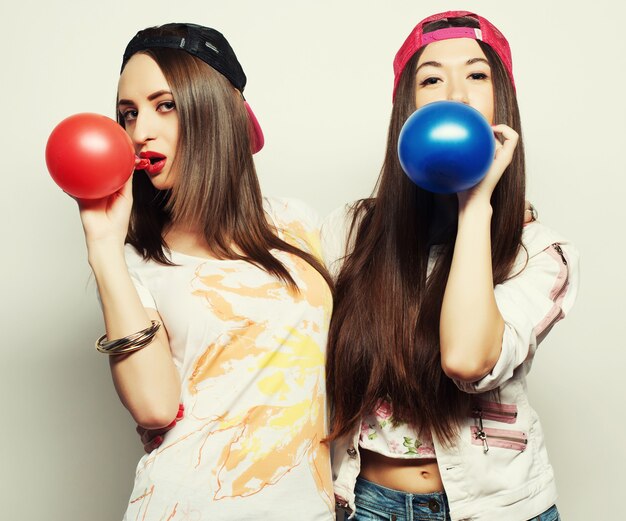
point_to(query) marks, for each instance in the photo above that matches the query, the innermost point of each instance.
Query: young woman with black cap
(212, 296)
(440, 304)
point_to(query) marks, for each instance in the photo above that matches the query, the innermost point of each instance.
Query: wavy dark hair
(384, 333)
(217, 190)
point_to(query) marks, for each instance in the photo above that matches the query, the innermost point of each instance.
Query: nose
(143, 130)
(457, 91)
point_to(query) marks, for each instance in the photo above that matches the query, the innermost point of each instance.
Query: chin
(162, 182)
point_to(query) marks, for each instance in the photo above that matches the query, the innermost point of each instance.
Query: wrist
(103, 251)
(475, 207)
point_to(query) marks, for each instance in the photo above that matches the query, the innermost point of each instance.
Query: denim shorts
(377, 503)
(552, 514)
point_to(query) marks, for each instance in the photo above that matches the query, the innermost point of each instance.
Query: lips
(154, 164)
(142, 164)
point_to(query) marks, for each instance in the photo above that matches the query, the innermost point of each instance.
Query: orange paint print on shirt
(251, 356)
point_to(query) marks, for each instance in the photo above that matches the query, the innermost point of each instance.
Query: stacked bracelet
(129, 343)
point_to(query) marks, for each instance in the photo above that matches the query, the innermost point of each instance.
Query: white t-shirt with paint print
(251, 356)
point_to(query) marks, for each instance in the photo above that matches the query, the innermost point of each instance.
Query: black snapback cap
(204, 43)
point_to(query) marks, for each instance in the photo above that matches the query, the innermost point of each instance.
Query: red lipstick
(154, 163)
(141, 164)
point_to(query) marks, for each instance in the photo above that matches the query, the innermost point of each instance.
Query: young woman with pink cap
(213, 297)
(440, 304)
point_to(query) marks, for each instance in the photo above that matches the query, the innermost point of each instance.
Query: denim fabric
(376, 503)
(552, 514)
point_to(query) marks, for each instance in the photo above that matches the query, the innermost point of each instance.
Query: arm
(541, 294)
(146, 381)
(471, 325)
(153, 438)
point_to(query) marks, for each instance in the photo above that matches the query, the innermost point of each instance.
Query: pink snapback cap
(258, 140)
(487, 32)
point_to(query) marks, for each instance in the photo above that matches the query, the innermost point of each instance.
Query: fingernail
(172, 424)
(180, 414)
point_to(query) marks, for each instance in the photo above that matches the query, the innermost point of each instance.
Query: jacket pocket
(498, 412)
(502, 438)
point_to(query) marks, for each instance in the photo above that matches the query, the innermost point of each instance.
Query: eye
(430, 81)
(129, 114)
(478, 76)
(166, 106)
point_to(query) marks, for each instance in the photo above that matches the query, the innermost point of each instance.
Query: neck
(183, 238)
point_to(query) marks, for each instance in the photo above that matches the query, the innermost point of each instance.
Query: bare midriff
(416, 476)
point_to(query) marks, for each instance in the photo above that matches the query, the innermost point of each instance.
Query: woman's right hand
(506, 140)
(106, 220)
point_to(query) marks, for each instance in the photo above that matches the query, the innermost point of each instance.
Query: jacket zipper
(563, 288)
(516, 440)
(559, 293)
(559, 250)
(497, 412)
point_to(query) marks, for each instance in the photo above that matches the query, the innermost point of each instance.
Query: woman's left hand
(506, 142)
(152, 438)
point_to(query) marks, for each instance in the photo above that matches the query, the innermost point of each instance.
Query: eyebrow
(471, 61)
(151, 97)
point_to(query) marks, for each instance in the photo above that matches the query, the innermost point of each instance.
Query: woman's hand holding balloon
(105, 220)
(505, 147)
(92, 159)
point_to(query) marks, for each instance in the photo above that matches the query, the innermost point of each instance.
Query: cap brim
(258, 140)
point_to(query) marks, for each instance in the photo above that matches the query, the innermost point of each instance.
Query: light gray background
(320, 82)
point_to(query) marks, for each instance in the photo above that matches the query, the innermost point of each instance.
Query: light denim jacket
(499, 468)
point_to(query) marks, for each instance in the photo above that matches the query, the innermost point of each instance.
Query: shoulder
(548, 265)
(536, 237)
(295, 222)
(141, 276)
(539, 241)
(133, 257)
(338, 233)
(338, 220)
(135, 261)
(288, 212)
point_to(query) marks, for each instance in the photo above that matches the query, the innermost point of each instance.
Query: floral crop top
(379, 435)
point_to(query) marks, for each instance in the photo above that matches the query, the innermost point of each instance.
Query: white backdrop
(319, 80)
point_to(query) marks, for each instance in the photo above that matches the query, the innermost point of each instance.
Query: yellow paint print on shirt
(251, 357)
(267, 441)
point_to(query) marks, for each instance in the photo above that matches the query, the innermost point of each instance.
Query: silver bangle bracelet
(130, 343)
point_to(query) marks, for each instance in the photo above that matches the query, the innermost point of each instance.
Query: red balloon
(90, 156)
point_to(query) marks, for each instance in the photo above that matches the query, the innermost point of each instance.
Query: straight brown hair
(217, 190)
(384, 333)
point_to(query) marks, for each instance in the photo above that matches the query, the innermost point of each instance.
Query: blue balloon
(446, 147)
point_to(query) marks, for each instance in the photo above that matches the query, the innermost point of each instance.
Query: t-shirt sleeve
(297, 223)
(531, 303)
(335, 234)
(135, 264)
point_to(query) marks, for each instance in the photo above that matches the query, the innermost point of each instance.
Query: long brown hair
(217, 190)
(384, 333)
